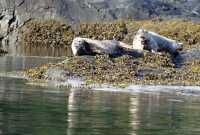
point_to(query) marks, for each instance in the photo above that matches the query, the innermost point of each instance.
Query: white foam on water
(165, 88)
(109, 88)
(70, 82)
(80, 83)
(187, 90)
(176, 100)
(75, 82)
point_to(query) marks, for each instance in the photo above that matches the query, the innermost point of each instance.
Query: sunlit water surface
(35, 110)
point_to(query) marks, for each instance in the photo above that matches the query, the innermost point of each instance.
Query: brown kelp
(54, 33)
(150, 69)
(49, 33)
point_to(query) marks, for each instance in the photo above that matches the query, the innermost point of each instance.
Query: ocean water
(136, 110)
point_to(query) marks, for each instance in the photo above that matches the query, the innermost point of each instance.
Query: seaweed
(50, 33)
(150, 69)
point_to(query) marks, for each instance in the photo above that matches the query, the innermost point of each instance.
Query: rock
(153, 69)
(8, 30)
(46, 33)
(191, 55)
(93, 10)
(57, 74)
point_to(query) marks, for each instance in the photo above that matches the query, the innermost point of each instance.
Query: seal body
(86, 46)
(148, 40)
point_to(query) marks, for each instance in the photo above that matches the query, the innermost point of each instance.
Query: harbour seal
(148, 40)
(86, 46)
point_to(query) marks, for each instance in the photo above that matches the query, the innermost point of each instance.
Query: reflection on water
(24, 112)
(44, 51)
(15, 63)
(35, 110)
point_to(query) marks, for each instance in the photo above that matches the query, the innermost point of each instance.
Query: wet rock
(191, 55)
(57, 74)
(102, 69)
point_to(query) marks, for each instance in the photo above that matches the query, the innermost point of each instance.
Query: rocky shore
(54, 33)
(152, 69)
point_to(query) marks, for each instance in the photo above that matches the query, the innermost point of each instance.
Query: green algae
(195, 67)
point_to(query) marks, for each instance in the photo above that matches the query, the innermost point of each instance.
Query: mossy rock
(50, 33)
(195, 67)
(103, 30)
(159, 69)
(58, 34)
(152, 69)
(37, 73)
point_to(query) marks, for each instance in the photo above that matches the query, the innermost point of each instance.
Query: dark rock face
(93, 10)
(14, 13)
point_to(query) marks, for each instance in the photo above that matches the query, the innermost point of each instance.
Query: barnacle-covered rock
(151, 69)
(103, 30)
(50, 33)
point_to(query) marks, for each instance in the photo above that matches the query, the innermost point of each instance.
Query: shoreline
(131, 88)
(151, 69)
(97, 70)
